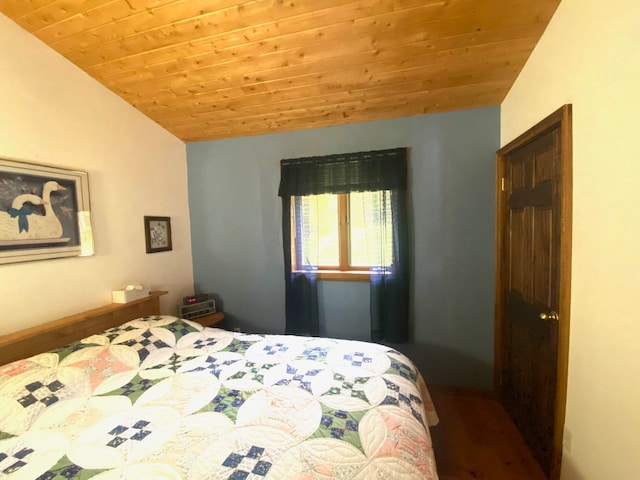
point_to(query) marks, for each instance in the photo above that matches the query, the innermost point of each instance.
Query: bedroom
(53, 113)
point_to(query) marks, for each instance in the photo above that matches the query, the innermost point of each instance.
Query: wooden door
(532, 291)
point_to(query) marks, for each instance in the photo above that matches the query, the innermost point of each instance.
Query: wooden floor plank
(476, 440)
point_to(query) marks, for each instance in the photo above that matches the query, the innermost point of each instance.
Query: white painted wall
(53, 113)
(589, 57)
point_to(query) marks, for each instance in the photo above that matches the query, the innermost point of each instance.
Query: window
(331, 231)
(344, 217)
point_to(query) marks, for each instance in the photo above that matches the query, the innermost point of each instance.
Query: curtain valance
(344, 173)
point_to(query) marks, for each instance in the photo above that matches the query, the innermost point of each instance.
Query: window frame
(343, 271)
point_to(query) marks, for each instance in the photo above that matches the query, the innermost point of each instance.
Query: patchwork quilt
(164, 398)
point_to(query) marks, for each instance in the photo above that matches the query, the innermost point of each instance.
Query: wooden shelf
(209, 320)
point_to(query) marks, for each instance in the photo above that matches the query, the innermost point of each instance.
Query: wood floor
(475, 439)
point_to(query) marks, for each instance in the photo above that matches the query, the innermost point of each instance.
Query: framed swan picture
(44, 212)
(157, 234)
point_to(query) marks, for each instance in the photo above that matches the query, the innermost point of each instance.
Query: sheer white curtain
(378, 227)
(304, 214)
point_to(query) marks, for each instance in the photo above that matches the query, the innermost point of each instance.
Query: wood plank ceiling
(210, 69)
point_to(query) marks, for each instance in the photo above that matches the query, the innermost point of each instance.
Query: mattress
(160, 397)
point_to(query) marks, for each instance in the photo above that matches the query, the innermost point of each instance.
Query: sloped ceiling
(207, 69)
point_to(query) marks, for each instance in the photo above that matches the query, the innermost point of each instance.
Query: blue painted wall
(237, 239)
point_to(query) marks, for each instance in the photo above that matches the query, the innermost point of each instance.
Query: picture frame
(157, 234)
(45, 212)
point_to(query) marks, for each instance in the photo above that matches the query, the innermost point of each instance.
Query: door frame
(562, 119)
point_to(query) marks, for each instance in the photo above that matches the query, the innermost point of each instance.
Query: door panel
(519, 252)
(542, 254)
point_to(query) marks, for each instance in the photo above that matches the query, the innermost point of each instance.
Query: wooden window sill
(344, 276)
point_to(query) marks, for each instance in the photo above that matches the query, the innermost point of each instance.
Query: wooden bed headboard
(58, 333)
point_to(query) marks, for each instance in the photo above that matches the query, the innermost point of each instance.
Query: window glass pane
(358, 256)
(371, 228)
(315, 221)
(328, 235)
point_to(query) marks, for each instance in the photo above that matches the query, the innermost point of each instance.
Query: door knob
(551, 316)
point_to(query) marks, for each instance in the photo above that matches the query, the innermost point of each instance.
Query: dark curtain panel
(389, 281)
(301, 286)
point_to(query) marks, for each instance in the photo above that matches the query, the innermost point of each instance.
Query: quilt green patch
(66, 469)
(136, 387)
(227, 402)
(341, 425)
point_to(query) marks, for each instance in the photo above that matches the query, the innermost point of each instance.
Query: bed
(160, 397)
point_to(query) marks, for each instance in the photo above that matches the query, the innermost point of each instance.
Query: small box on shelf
(130, 293)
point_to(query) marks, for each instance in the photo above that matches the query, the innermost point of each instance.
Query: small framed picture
(157, 234)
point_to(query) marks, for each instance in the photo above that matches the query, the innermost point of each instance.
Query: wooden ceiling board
(349, 68)
(179, 61)
(409, 105)
(319, 60)
(209, 69)
(430, 76)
